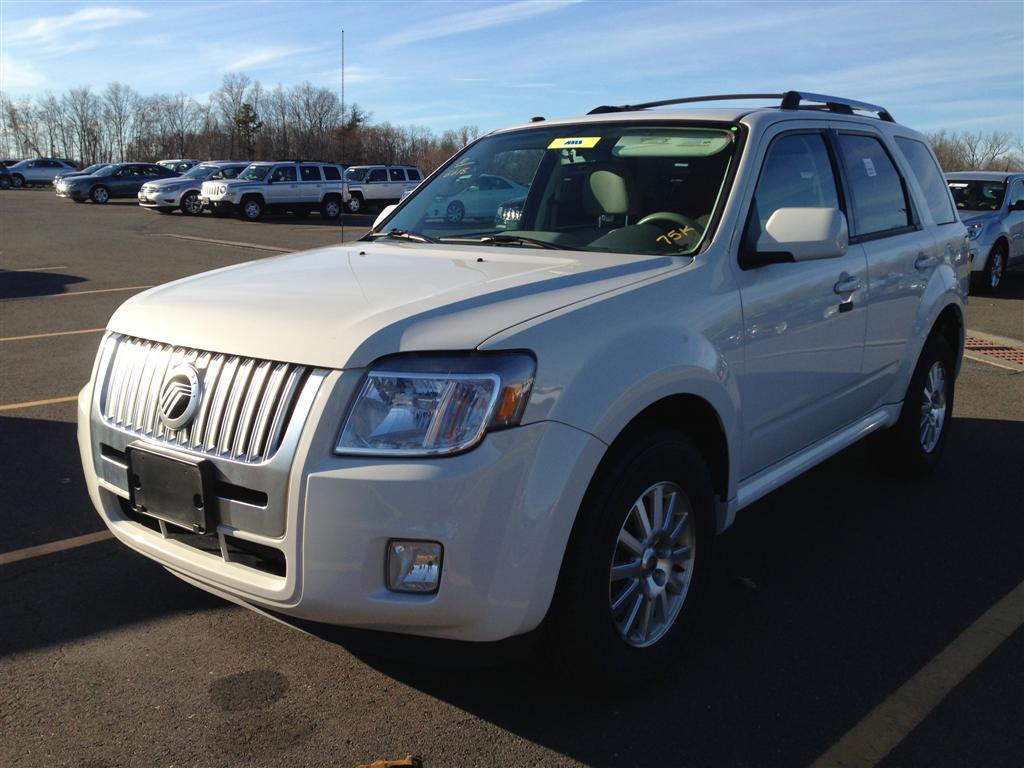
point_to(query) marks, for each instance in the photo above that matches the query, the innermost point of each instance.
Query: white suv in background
(378, 185)
(298, 187)
(469, 429)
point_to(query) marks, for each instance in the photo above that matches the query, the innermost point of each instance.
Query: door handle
(923, 262)
(847, 284)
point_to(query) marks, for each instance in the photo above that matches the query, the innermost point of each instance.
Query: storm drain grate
(995, 349)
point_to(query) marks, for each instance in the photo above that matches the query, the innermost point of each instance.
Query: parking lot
(846, 605)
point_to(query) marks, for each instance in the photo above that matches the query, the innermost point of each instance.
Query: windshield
(977, 195)
(596, 187)
(355, 174)
(255, 173)
(93, 168)
(199, 172)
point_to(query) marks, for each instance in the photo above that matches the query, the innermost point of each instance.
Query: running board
(780, 473)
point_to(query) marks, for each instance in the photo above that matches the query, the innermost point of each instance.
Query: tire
(17, 181)
(99, 194)
(455, 212)
(913, 446)
(989, 281)
(355, 203)
(330, 208)
(251, 209)
(191, 204)
(601, 620)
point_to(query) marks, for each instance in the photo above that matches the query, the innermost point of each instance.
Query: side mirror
(388, 210)
(801, 234)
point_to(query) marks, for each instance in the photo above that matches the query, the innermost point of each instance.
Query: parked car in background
(88, 171)
(468, 435)
(474, 196)
(991, 204)
(178, 165)
(117, 180)
(278, 186)
(164, 195)
(38, 170)
(378, 185)
(5, 177)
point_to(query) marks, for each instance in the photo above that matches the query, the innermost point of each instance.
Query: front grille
(243, 413)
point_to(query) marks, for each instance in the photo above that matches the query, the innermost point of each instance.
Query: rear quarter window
(929, 176)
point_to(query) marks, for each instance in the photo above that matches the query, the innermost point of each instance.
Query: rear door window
(397, 174)
(879, 202)
(310, 172)
(930, 178)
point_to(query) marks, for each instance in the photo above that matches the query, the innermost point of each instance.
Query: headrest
(609, 190)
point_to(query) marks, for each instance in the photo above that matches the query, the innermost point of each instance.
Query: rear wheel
(913, 446)
(638, 562)
(99, 195)
(191, 204)
(251, 208)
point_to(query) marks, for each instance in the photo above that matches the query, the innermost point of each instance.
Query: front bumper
(157, 200)
(219, 205)
(502, 511)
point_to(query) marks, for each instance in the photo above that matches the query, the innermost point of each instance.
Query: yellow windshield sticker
(675, 234)
(579, 142)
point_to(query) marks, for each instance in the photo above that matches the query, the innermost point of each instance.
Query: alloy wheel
(933, 407)
(996, 271)
(652, 567)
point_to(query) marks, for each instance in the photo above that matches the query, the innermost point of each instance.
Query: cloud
(260, 57)
(47, 32)
(471, 21)
(18, 75)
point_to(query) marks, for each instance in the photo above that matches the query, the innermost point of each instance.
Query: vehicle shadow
(830, 593)
(17, 284)
(1013, 284)
(57, 598)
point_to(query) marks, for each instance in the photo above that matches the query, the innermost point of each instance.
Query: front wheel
(354, 204)
(17, 181)
(99, 195)
(251, 209)
(638, 562)
(913, 446)
(990, 279)
(455, 212)
(191, 204)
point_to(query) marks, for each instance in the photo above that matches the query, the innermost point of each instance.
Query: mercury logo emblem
(179, 396)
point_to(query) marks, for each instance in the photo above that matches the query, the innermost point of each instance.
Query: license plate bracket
(170, 488)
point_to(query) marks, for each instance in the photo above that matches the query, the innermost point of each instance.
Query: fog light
(414, 566)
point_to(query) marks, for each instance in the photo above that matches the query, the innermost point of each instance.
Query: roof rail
(789, 99)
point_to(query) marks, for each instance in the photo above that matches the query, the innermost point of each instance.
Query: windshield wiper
(402, 234)
(506, 240)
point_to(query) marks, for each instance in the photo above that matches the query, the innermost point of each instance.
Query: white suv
(282, 186)
(378, 185)
(465, 430)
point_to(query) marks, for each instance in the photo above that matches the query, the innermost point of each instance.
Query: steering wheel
(670, 216)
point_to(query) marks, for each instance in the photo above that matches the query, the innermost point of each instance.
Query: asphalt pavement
(831, 594)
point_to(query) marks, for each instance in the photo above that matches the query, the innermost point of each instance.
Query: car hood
(166, 182)
(978, 217)
(344, 306)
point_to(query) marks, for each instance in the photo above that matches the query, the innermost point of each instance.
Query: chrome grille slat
(245, 407)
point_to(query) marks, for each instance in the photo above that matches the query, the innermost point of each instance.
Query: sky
(953, 65)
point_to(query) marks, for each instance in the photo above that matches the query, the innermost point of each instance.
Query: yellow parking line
(6, 558)
(874, 737)
(49, 335)
(34, 403)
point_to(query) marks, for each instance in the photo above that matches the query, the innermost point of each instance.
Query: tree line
(243, 120)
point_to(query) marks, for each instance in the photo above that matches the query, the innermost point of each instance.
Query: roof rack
(790, 100)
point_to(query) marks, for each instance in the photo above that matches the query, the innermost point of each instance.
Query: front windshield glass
(620, 187)
(355, 174)
(93, 168)
(199, 172)
(255, 173)
(977, 195)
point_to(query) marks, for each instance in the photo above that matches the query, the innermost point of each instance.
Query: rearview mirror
(388, 210)
(801, 234)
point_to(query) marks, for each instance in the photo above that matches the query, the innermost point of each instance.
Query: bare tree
(118, 109)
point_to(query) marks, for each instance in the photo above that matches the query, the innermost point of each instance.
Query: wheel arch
(950, 325)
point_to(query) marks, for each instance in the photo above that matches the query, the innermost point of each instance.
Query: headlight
(171, 188)
(973, 230)
(413, 405)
